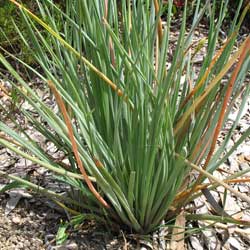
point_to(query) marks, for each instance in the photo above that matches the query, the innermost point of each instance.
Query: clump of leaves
(132, 130)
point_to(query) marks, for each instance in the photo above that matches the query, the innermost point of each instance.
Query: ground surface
(29, 221)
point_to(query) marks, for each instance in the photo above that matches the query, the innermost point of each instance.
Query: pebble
(243, 188)
(66, 246)
(210, 239)
(244, 166)
(234, 243)
(16, 220)
(233, 164)
(230, 206)
(195, 243)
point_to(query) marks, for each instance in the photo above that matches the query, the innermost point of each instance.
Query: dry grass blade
(3, 136)
(74, 145)
(180, 123)
(245, 52)
(160, 32)
(203, 186)
(208, 175)
(245, 49)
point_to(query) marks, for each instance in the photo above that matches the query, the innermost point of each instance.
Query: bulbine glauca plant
(131, 129)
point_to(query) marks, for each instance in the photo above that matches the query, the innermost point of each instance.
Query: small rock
(200, 204)
(246, 217)
(67, 246)
(243, 188)
(243, 127)
(48, 238)
(41, 170)
(244, 166)
(247, 158)
(235, 244)
(230, 206)
(195, 243)
(233, 164)
(244, 149)
(20, 245)
(32, 213)
(229, 144)
(210, 239)
(16, 220)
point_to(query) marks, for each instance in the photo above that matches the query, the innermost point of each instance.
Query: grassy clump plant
(133, 131)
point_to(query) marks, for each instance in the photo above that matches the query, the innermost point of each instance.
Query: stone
(231, 207)
(244, 166)
(234, 166)
(16, 220)
(210, 239)
(234, 243)
(195, 243)
(243, 188)
(67, 246)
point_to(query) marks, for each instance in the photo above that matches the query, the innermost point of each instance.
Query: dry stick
(215, 179)
(202, 187)
(74, 144)
(198, 188)
(3, 136)
(242, 180)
